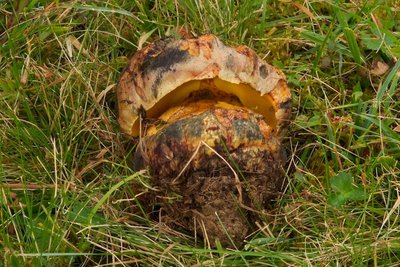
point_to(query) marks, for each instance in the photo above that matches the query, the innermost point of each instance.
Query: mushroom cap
(164, 73)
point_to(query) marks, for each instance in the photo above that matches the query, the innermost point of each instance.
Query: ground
(68, 191)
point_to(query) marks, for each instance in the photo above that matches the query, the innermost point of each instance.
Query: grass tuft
(68, 196)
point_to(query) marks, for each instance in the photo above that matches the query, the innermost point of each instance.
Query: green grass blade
(108, 194)
(353, 45)
(350, 36)
(392, 77)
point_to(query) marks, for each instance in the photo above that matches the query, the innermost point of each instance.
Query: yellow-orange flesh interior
(187, 99)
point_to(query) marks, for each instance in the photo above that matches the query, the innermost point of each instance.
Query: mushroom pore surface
(215, 161)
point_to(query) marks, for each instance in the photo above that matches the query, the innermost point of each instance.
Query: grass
(68, 196)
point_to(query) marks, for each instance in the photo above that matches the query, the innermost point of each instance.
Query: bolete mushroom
(210, 120)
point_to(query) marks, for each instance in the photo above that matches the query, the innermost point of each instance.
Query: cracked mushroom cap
(166, 73)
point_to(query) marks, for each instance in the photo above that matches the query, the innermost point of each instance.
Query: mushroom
(209, 119)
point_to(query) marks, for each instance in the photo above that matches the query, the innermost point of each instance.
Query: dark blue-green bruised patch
(263, 71)
(173, 131)
(247, 130)
(195, 129)
(162, 63)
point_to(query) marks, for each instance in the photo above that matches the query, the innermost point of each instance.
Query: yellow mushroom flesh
(197, 96)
